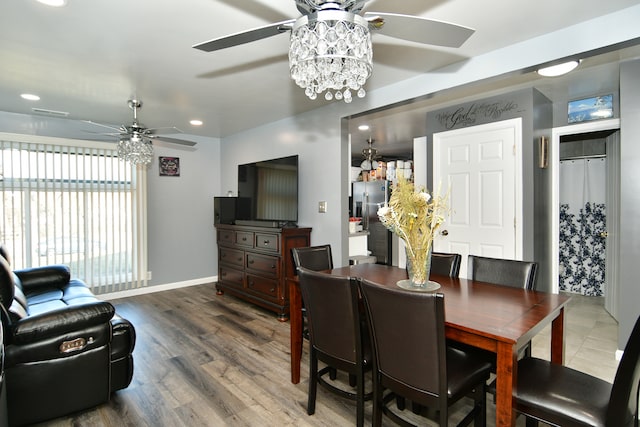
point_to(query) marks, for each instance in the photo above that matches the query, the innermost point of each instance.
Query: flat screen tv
(268, 190)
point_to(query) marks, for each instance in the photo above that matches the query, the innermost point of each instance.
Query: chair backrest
(505, 272)
(333, 316)
(315, 258)
(623, 403)
(445, 264)
(408, 339)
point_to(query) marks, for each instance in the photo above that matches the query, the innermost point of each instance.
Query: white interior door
(480, 167)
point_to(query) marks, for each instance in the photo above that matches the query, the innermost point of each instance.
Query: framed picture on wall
(595, 108)
(169, 166)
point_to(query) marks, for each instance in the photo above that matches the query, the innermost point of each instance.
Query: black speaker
(224, 210)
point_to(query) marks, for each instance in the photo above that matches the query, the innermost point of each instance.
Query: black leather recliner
(65, 350)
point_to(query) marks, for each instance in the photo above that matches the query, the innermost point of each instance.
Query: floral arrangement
(414, 215)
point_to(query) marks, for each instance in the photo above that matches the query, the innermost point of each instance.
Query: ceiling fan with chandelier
(135, 140)
(330, 48)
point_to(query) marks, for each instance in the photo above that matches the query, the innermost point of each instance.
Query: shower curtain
(582, 226)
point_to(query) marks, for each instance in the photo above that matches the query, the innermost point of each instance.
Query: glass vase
(418, 269)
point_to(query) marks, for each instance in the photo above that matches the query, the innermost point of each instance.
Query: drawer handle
(251, 261)
(244, 239)
(266, 242)
(239, 258)
(272, 290)
(273, 266)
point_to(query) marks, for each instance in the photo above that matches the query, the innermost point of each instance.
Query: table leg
(506, 374)
(295, 319)
(557, 338)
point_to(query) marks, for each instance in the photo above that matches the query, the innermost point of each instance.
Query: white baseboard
(157, 288)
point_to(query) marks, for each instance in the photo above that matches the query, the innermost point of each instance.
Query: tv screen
(268, 189)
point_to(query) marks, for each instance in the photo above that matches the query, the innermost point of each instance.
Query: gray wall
(629, 290)
(181, 237)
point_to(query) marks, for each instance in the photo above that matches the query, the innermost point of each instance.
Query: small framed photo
(169, 166)
(595, 108)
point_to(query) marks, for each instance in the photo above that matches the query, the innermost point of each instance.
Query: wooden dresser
(254, 263)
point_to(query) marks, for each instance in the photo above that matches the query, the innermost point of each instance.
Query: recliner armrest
(64, 321)
(50, 275)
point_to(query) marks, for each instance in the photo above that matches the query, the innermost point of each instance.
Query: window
(66, 203)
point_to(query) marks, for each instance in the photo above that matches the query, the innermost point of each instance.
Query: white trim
(556, 133)
(619, 355)
(157, 288)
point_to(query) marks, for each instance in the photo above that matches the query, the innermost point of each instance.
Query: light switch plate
(322, 207)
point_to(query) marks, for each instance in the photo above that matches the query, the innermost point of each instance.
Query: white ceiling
(88, 58)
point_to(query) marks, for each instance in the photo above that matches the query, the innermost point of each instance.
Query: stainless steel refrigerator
(367, 197)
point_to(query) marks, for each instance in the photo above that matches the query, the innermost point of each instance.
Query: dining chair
(337, 336)
(559, 395)
(503, 272)
(411, 358)
(445, 264)
(315, 258)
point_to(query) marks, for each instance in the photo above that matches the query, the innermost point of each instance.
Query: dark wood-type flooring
(208, 360)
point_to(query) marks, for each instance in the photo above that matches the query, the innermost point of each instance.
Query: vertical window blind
(74, 204)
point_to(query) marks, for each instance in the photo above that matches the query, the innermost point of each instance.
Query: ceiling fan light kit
(330, 46)
(331, 52)
(135, 149)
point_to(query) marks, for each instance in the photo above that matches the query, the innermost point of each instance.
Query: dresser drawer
(267, 242)
(227, 236)
(231, 276)
(244, 238)
(264, 265)
(263, 286)
(232, 256)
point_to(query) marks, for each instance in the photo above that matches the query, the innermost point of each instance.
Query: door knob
(445, 232)
(604, 234)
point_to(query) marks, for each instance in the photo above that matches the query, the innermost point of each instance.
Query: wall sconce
(543, 150)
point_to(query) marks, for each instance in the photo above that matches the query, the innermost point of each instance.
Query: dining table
(501, 319)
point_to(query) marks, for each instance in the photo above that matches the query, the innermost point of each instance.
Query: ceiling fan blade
(172, 140)
(167, 129)
(418, 29)
(246, 36)
(117, 129)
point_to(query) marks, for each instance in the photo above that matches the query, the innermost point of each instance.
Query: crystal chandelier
(135, 149)
(331, 51)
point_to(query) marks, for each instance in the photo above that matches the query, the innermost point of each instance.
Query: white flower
(384, 211)
(425, 196)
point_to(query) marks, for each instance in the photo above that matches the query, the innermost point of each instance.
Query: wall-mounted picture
(595, 108)
(169, 166)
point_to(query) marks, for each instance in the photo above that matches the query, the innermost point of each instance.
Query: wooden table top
(503, 313)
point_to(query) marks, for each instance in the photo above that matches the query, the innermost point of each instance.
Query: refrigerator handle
(365, 211)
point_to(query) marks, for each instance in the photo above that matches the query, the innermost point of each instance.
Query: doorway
(585, 182)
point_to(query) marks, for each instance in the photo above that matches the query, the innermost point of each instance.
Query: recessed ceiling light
(30, 97)
(53, 3)
(196, 122)
(559, 69)
(363, 127)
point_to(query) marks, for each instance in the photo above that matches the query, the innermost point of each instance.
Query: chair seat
(462, 370)
(563, 395)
